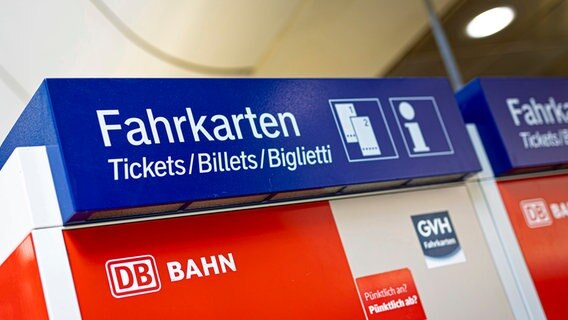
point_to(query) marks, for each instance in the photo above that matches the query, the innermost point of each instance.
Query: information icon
(421, 126)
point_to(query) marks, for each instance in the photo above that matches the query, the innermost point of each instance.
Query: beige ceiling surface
(113, 38)
(346, 38)
(283, 38)
(217, 33)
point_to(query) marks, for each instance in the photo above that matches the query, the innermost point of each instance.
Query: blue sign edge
(475, 109)
(38, 115)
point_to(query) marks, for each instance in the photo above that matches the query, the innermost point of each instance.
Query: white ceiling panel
(65, 38)
(211, 32)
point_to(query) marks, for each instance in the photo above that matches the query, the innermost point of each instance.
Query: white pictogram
(408, 113)
(345, 111)
(366, 137)
(132, 276)
(421, 126)
(536, 213)
(356, 120)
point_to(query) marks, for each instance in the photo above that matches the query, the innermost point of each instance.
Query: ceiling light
(490, 22)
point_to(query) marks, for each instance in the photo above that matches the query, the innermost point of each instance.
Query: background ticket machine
(521, 134)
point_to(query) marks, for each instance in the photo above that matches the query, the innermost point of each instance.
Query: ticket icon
(364, 129)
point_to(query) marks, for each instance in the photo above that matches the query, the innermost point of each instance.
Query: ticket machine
(244, 198)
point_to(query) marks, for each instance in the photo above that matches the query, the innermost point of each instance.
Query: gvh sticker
(390, 296)
(536, 213)
(132, 276)
(438, 239)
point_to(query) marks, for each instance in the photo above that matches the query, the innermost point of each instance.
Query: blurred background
(273, 38)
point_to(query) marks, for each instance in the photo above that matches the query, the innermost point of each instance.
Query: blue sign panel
(124, 143)
(523, 122)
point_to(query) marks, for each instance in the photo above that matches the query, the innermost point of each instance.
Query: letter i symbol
(407, 112)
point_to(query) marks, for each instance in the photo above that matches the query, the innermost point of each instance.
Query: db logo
(132, 276)
(536, 213)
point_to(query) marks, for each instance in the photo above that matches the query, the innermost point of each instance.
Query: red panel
(21, 293)
(538, 210)
(391, 296)
(289, 264)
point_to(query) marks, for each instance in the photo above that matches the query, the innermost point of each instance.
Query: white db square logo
(132, 276)
(536, 213)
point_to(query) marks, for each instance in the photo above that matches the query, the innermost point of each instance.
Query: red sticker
(391, 295)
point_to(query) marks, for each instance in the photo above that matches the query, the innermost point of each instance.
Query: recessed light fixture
(490, 22)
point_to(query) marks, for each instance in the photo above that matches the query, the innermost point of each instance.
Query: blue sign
(523, 122)
(126, 143)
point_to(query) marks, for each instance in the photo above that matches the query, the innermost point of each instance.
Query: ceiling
(259, 38)
(536, 43)
(280, 38)
(189, 38)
